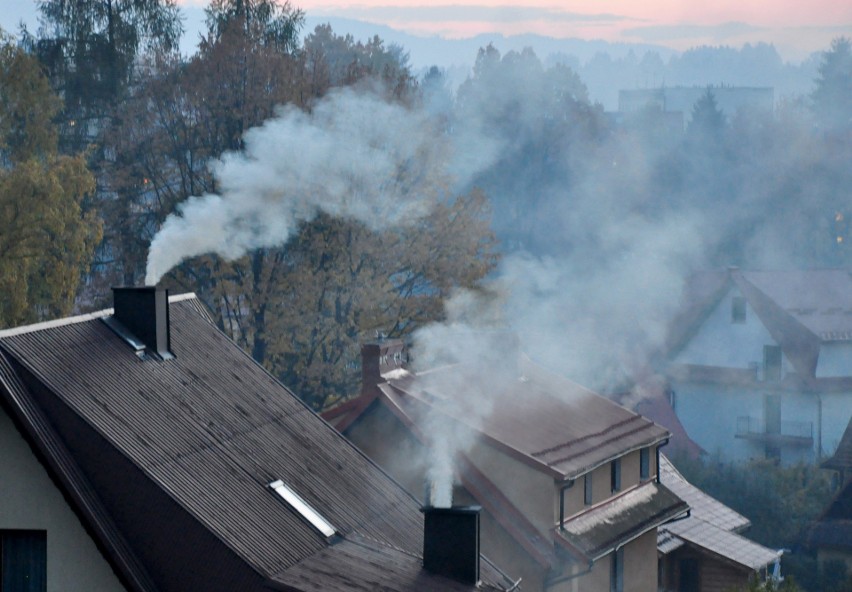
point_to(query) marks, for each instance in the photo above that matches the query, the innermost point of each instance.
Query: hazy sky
(795, 27)
(793, 24)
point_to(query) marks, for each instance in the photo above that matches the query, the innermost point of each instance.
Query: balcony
(794, 433)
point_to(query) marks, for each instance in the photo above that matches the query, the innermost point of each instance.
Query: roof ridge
(81, 318)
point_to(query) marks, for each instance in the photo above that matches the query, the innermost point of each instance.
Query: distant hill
(445, 53)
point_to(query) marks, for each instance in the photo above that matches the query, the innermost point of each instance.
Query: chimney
(451, 542)
(144, 312)
(377, 358)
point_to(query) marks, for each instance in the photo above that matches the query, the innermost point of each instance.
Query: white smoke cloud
(355, 155)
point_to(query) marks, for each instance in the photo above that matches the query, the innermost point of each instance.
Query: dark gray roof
(176, 456)
(834, 527)
(541, 418)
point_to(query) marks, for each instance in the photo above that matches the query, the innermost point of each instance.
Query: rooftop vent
(451, 542)
(144, 313)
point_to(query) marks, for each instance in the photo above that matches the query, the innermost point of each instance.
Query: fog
(600, 221)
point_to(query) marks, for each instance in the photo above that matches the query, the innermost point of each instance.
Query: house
(759, 363)
(831, 534)
(705, 551)
(567, 479)
(841, 460)
(142, 450)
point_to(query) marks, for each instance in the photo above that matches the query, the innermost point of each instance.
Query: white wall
(30, 501)
(835, 359)
(719, 342)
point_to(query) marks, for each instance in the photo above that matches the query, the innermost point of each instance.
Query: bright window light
(302, 507)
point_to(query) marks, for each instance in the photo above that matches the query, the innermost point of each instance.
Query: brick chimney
(379, 357)
(144, 313)
(451, 542)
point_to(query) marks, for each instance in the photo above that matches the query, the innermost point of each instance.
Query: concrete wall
(29, 500)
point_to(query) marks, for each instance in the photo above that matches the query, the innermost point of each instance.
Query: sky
(796, 28)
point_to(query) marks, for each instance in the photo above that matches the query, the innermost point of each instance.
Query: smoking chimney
(451, 542)
(378, 357)
(144, 312)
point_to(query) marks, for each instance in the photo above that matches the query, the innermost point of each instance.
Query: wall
(835, 359)
(719, 342)
(531, 491)
(29, 500)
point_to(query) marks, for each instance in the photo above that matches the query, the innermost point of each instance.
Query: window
(302, 508)
(23, 560)
(644, 463)
(616, 576)
(771, 362)
(615, 475)
(738, 310)
(587, 489)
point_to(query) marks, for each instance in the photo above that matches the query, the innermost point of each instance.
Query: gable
(722, 343)
(30, 500)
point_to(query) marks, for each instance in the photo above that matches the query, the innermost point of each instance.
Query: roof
(801, 309)
(711, 526)
(169, 462)
(841, 460)
(834, 527)
(540, 418)
(598, 530)
(650, 399)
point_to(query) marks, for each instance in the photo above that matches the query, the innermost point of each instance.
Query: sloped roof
(173, 458)
(541, 418)
(834, 527)
(597, 531)
(801, 309)
(711, 526)
(841, 460)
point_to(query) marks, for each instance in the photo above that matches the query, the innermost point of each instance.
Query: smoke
(355, 155)
(602, 226)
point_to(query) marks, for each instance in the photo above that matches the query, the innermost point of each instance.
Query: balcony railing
(789, 432)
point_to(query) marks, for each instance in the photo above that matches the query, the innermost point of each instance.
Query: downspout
(657, 449)
(819, 427)
(562, 503)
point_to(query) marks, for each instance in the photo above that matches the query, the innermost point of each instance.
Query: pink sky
(798, 26)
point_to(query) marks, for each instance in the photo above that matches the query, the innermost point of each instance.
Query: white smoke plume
(355, 155)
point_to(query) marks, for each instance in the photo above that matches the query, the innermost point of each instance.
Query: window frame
(588, 489)
(615, 475)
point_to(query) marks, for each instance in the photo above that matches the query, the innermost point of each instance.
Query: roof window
(302, 507)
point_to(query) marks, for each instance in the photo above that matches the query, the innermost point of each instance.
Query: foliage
(272, 24)
(338, 60)
(45, 240)
(90, 48)
(779, 501)
(755, 584)
(832, 98)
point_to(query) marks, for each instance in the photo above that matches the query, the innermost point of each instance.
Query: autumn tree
(187, 114)
(333, 60)
(45, 240)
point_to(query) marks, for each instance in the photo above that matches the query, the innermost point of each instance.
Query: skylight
(302, 507)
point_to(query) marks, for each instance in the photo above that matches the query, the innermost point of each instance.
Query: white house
(759, 363)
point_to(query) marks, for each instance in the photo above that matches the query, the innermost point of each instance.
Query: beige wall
(531, 491)
(30, 501)
(601, 478)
